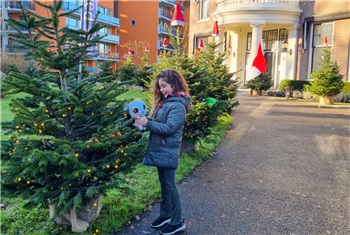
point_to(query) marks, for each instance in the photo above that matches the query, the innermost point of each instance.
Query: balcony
(239, 12)
(16, 49)
(69, 6)
(162, 30)
(167, 3)
(14, 6)
(165, 16)
(10, 30)
(113, 39)
(101, 18)
(169, 47)
(106, 56)
(110, 20)
(171, 4)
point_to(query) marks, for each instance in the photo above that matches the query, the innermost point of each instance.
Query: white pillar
(256, 38)
(292, 52)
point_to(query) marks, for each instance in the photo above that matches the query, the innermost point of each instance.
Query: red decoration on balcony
(146, 48)
(130, 51)
(215, 32)
(165, 43)
(109, 52)
(178, 19)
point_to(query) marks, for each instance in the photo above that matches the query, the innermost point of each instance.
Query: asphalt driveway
(282, 169)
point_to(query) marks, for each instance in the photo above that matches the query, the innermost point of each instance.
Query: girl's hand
(141, 120)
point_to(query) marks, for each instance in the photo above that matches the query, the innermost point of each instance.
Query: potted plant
(259, 84)
(326, 80)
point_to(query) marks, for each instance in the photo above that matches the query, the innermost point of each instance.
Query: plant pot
(256, 92)
(326, 100)
(80, 218)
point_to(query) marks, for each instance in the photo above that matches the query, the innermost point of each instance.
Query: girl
(171, 103)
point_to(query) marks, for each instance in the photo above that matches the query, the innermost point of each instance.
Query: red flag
(258, 66)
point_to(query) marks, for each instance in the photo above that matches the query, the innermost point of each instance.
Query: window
(269, 37)
(104, 10)
(283, 35)
(104, 49)
(321, 32)
(204, 9)
(249, 41)
(73, 22)
(105, 30)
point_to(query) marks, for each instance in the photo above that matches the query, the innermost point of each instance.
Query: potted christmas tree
(69, 139)
(326, 80)
(259, 84)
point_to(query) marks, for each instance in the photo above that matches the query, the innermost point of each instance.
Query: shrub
(260, 83)
(342, 98)
(346, 88)
(308, 96)
(297, 94)
(296, 84)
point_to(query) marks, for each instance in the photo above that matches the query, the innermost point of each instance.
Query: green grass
(137, 94)
(6, 114)
(119, 206)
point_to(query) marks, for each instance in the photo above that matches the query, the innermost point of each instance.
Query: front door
(270, 64)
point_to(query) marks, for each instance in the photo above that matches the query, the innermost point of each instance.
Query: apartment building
(292, 34)
(145, 24)
(106, 50)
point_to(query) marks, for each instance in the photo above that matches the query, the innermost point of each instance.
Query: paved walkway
(283, 169)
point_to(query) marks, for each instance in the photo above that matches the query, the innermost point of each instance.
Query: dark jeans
(170, 206)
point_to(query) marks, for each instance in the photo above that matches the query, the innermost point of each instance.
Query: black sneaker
(172, 229)
(159, 222)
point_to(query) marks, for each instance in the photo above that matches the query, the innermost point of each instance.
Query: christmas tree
(223, 84)
(326, 80)
(68, 139)
(127, 73)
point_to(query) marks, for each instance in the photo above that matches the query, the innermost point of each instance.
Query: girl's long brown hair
(175, 79)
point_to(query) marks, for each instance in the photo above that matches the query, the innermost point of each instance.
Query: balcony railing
(16, 49)
(103, 18)
(14, 5)
(221, 3)
(108, 19)
(11, 30)
(165, 15)
(110, 38)
(162, 30)
(169, 47)
(107, 56)
(67, 5)
(168, 3)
